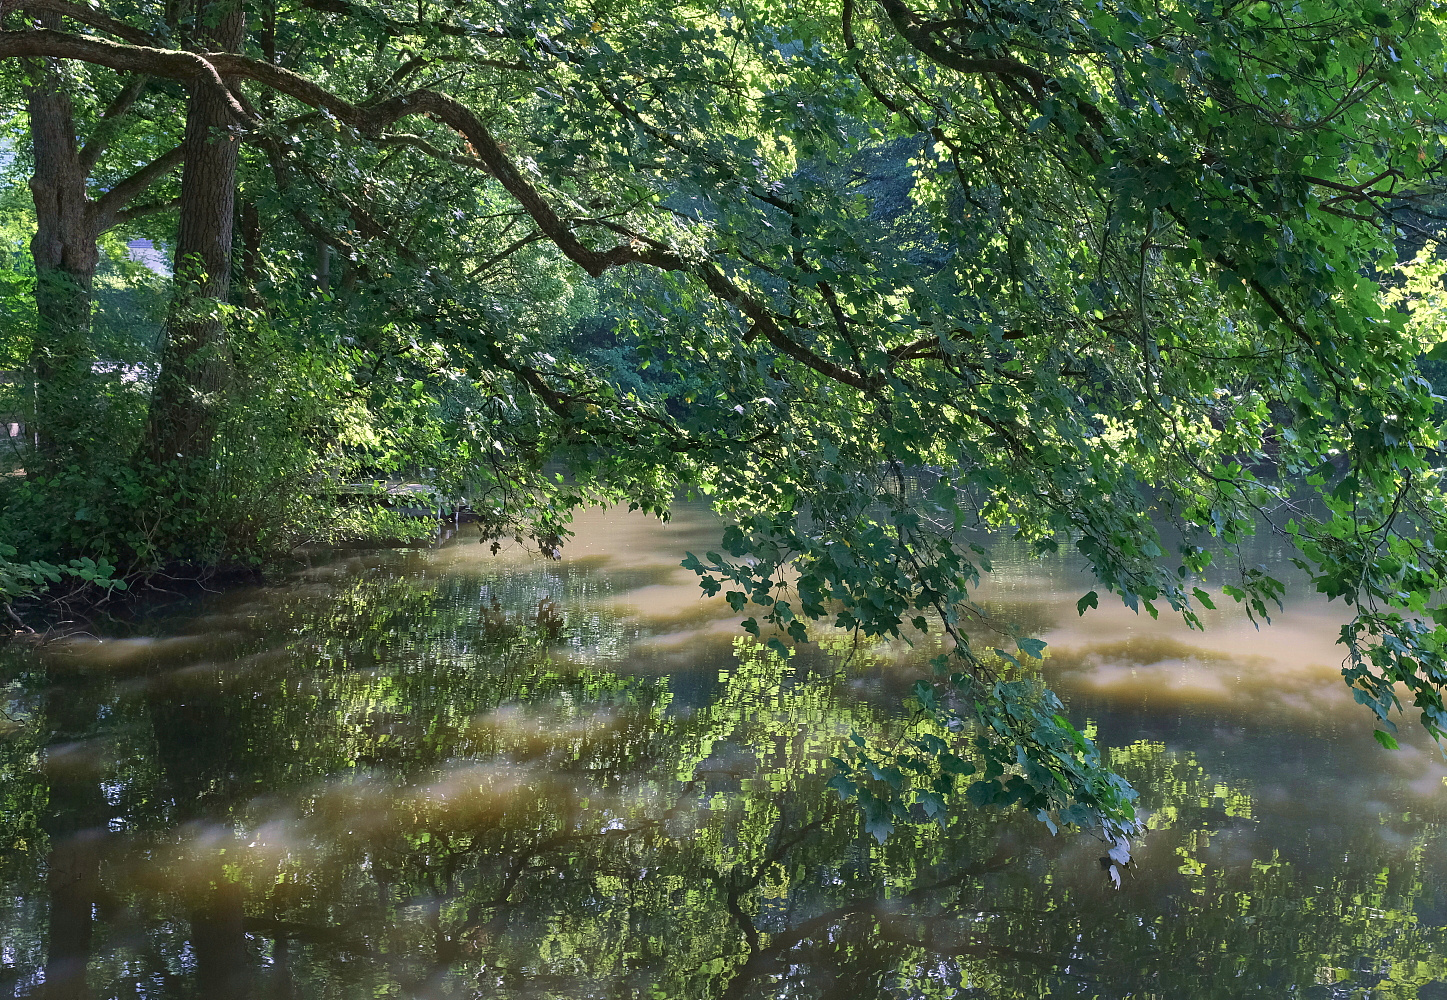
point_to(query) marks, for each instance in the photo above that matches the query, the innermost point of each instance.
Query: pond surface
(451, 774)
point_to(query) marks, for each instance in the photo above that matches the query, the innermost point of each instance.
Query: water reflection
(449, 774)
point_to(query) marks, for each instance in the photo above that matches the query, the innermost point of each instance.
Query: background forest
(1122, 276)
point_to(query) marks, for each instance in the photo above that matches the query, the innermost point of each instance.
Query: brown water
(448, 774)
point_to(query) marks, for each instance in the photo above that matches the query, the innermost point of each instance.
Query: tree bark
(66, 257)
(249, 218)
(196, 361)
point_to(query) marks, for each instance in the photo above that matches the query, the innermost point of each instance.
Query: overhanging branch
(373, 120)
(174, 64)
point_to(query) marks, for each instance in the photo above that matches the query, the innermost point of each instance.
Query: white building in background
(143, 251)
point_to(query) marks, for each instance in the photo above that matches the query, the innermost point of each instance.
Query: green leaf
(1031, 647)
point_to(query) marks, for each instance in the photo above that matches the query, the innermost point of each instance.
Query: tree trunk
(250, 220)
(196, 362)
(66, 257)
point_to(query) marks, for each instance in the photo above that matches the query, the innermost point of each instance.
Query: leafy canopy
(870, 275)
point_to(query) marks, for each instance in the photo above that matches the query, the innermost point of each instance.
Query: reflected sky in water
(453, 774)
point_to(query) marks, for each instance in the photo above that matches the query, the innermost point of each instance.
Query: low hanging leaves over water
(447, 774)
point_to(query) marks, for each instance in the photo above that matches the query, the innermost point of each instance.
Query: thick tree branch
(105, 212)
(141, 211)
(847, 26)
(92, 18)
(110, 122)
(922, 35)
(1029, 83)
(765, 322)
(173, 64)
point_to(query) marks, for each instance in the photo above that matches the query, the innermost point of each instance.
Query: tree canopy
(867, 275)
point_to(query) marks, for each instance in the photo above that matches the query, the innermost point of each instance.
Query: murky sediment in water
(449, 774)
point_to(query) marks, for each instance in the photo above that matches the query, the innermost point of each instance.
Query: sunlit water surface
(451, 774)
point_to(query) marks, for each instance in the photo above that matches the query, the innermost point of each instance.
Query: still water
(450, 774)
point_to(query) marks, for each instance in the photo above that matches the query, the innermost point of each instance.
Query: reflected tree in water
(456, 786)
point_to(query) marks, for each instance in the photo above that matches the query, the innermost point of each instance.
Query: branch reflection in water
(451, 774)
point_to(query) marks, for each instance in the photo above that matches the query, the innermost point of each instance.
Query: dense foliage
(865, 276)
